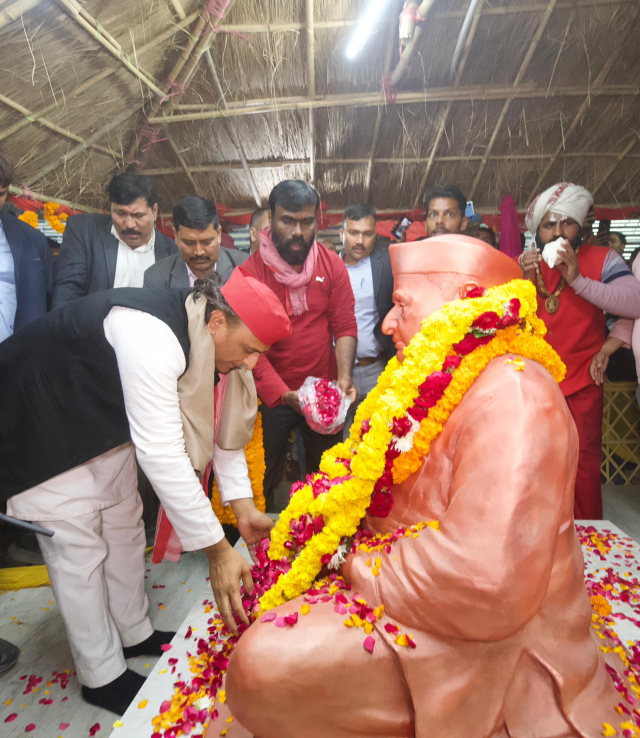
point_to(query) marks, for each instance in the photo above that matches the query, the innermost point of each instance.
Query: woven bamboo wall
(621, 434)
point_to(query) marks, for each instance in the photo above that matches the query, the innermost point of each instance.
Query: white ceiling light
(365, 25)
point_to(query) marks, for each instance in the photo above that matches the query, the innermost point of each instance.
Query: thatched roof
(544, 91)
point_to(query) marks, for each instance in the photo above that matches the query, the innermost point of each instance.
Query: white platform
(41, 635)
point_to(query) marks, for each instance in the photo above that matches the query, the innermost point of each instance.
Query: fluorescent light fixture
(364, 27)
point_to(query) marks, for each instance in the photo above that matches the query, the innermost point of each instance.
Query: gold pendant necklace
(552, 301)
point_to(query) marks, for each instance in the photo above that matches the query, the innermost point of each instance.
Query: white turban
(566, 199)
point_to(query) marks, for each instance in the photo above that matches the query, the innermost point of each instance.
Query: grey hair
(209, 288)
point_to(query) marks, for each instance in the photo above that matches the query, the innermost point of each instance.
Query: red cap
(257, 307)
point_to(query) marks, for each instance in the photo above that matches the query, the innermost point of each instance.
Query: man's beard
(575, 242)
(291, 256)
(441, 232)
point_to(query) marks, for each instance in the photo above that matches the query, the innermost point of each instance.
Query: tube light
(365, 25)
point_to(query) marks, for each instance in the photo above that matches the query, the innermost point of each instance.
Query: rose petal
(94, 729)
(64, 726)
(280, 622)
(340, 609)
(369, 643)
(11, 718)
(166, 647)
(268, 617)
(29, 728)
(165, 706)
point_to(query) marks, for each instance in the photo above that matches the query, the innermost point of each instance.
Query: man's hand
(599, 367)
(348, 388)
(291, 399)
(567, 263)
(529, 261)
(252, 524)
(226, 568)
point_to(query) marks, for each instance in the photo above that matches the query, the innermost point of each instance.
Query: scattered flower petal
(369, 643)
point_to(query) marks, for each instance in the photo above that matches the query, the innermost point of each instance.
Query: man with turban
(85, 390)
(573, 296)
(495, 599)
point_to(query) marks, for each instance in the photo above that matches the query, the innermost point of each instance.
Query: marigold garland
(30, 218)
(254, 451)
(334, 501)
(57, 222)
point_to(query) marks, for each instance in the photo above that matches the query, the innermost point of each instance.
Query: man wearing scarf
(164, 376)
(573, 296)
(313, 285)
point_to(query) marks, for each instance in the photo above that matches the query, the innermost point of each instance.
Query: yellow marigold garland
(345, 504)
(57, 222)
(254, 451)
(30, 218)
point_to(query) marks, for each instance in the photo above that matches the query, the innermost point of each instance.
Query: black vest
(61, 401)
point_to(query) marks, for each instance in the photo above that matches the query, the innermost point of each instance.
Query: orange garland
(254, 451)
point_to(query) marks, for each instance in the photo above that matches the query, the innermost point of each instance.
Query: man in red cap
(88, 388)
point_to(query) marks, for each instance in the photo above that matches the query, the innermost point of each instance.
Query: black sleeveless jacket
(61, 401)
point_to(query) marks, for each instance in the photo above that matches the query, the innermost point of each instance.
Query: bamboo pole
(598, 85)
(407, 161)
(100, 35)
(476, 93)
(447, 111)
(610, 170)
(183, 164)
(40, 197)
(97, 78)
(14, 10)
(231, 130)
(178, 9)
(518, 80)
(311, 72)
(296, 27)
(81, 148)
(376, 128)
(31, 117)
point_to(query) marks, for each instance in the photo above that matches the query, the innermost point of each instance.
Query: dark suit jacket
(88, 256)
(383, 293)
(172, 271)
(32, 264)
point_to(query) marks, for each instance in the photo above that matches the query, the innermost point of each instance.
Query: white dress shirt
(132, 263)
(150, 361)
(361, 277)
(8, 298)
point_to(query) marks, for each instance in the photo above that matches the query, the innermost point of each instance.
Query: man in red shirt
(575, 290)
(313, 285)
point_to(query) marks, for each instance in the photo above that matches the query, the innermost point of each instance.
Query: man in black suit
(372, 282)
(26, 279)
(103, 251)
(197, 231)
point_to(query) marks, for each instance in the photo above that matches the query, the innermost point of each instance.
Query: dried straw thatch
(544, 90)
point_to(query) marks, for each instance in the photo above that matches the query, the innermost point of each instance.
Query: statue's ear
(465, 288)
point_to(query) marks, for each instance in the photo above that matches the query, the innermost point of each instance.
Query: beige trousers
(96, 566)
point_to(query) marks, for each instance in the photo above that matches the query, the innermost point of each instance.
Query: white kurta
(96, 557)
(132, 263)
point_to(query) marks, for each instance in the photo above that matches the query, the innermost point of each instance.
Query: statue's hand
(252, 524)
(227, 568)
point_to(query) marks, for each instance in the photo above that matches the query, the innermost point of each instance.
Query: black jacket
(88, 257)
(172, 271)
(61, 400)
(32, 265)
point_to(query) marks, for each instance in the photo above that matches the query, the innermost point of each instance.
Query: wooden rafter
(598, 85)
(231, 166)
(296, 27)
(311, 76)
(63, 160)
(518, 81)
(476, 93)
(101, 36)
(391, 39)
(32, 117)
(447, 111)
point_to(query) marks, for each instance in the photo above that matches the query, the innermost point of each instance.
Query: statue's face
(414, 299)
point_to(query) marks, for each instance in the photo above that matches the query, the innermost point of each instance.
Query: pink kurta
(495, 600)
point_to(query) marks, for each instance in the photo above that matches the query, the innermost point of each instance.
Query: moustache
(131, 233)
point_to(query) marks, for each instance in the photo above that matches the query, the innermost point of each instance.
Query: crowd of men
(123, 368)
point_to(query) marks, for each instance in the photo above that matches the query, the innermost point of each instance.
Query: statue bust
(477, 625)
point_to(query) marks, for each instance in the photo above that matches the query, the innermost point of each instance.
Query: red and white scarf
(295, 282)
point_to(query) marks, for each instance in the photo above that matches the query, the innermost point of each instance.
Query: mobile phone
(401, 227)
